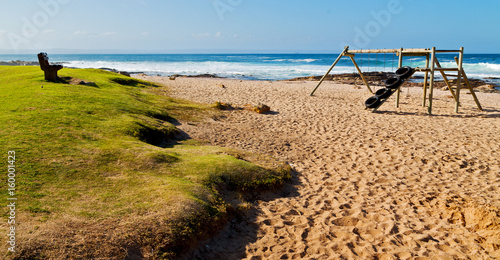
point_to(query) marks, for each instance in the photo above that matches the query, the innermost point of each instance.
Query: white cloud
(80, 33)
(48, 31)
(145, 33)
(201, 35)
(109, 33)
(2, 41)
(209, 35)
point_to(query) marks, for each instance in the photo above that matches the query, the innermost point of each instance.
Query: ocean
(263, 66)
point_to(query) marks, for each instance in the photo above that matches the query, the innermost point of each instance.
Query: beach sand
(396, 184)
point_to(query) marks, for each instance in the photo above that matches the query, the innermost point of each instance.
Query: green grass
(91, 157)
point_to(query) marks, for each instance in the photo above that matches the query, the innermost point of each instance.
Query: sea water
(263, 66)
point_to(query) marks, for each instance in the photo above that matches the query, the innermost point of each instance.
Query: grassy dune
(100, 172)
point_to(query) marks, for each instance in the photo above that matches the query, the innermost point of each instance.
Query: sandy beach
(396, 184)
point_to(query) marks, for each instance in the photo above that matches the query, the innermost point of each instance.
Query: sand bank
(396, 184)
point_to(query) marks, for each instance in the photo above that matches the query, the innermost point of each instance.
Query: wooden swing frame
(431, 59)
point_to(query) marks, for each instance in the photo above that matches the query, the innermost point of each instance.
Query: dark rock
(108, 69)
(198, 76)
(125, 73)
(19, 63)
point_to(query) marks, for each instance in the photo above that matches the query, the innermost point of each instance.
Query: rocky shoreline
(19, 63)
(378, 79)
(373, 78)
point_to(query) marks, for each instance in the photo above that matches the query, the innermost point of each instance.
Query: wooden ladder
(465, 79)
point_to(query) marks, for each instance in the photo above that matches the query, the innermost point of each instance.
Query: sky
(246, 26)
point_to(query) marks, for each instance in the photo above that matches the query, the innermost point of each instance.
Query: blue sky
(315, 26)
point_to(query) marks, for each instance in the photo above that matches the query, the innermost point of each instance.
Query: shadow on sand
(232, 241)
(486, 113)
(241, 229)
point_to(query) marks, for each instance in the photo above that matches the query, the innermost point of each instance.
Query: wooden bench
(50, 70)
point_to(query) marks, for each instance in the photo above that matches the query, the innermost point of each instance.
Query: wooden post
(426, 78)
(360, 73)
(400, 64)
(470, 87)
(431, 87)
(445, 78)
(328, 72)
(459, 79)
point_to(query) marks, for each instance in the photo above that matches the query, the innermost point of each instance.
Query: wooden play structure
(431, 66)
